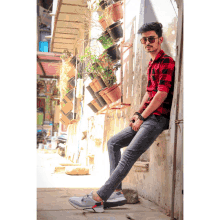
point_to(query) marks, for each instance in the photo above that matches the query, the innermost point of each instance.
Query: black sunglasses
(150, 39)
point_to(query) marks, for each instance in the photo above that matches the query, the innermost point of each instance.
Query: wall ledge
(141, 166)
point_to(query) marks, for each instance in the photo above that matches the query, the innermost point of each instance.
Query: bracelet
(140, 116)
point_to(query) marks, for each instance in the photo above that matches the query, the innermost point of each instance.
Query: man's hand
(137, 124)
(135, 118)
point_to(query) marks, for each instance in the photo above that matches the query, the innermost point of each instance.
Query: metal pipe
(122, 61)
(180, 52)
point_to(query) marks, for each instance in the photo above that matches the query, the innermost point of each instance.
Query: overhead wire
(174, 8)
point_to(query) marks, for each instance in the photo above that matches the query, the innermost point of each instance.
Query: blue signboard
(43, 46)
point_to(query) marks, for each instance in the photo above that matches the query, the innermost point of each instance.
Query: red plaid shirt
(160, 77)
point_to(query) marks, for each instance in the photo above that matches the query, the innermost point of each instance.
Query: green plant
(90, 59)
(66, 54)
(106, 41)
(67, 90)
(100, 17)
(109, 76)
(80, 75)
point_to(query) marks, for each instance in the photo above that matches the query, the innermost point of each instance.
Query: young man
(146, 124)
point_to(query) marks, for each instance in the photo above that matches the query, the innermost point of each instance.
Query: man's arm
(157, 100)
(144, 100)
(140, 110)
(155, 103)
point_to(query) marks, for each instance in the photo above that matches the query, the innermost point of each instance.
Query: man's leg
(141, 141)
(148, 132)
(115, 143)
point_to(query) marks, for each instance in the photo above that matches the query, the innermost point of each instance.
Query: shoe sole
(114, 204)
(98, 210)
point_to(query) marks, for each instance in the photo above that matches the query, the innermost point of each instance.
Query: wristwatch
(140, 116)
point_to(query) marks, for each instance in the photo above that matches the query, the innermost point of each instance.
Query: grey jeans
(137, 143)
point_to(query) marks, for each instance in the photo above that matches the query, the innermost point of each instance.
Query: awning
(48, 64)
(68, 25)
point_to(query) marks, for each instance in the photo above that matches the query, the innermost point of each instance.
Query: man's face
(152, 47)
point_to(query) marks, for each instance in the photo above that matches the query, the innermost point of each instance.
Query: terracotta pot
(103, 23)
(66, 108)
(69, 95)
(114, 94)
(70, 116)
(108, 17)
(100, 99)
(105, 97)
(95, 103)
(116, 11)
(93, 86)
(90, 91)
(97, 85)
(101, 82)
(71, 73)
(94, 109)
(72, 82)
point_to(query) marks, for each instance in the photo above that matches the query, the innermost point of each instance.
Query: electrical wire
(173, 8)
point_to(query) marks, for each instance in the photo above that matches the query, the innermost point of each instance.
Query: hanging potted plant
(91, 62)
(116, 11)
(101, 100)
(105, 61)
(103, 4)
(114, 53)
(115, 30)
(94, 109)
(104, 96)
(93, 86)
(71, 82)
(105, 40)
(108, 77)
(73, 61)
(114, 93)
(96, 84)
(71, 71)
(103, 22)
(97, 104)
(91, 91)
(101, 82)
(69, 95)
(108, 17)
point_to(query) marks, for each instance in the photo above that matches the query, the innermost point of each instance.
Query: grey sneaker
(116, 199)
(86, 203)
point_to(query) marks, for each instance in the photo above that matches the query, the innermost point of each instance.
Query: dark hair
(153, 26)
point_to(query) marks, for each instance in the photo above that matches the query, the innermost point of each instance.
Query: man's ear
(161, 40)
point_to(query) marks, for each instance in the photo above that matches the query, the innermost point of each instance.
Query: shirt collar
(160, 54)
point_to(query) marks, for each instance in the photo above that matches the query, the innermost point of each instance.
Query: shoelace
(84, 197)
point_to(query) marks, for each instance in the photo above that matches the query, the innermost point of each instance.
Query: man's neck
(154, 54)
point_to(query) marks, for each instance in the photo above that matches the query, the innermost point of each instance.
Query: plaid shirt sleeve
(166, 73)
